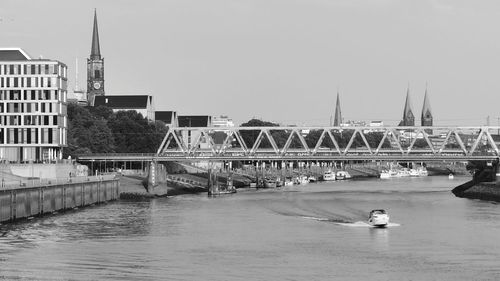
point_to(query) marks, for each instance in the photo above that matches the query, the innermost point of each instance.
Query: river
(312, 232)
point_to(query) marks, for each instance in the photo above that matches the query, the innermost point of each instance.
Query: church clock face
(97, 85)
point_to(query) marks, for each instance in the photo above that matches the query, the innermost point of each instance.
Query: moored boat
(378, 218)
(328, 176)
(342, 175)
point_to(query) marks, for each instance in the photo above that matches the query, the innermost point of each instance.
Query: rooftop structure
(167, 117)
(140, 103)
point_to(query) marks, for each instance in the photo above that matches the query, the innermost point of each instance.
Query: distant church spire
(338, 114)
(426, 118)
(408, 116)
(95, 51)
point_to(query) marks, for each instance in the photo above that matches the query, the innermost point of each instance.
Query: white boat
(387, 174)
(342, 175)
(404, 172)
(418, 172)
(378, 218)
(450, 176)
(288, 182)
(328, 176)
(312, 179)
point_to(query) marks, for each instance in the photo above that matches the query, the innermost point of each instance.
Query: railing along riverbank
(30, 198)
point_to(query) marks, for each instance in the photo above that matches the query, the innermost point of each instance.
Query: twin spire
(95, 51)
(408, 116)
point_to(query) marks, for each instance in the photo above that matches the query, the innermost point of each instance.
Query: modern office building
(33, 114)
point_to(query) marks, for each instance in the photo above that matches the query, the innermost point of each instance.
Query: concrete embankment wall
(23, 202)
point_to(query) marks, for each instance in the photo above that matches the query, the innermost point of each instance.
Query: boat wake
(346, 223)
(365, 224)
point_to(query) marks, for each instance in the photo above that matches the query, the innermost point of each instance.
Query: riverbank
(488, 191)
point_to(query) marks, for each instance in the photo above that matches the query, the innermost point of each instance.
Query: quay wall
(23, 202)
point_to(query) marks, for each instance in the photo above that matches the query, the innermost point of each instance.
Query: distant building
(222, 121)
(375, 126)
(79, 97)
(143, 104)
(33, 114)
(408, 116)
(167, 117)
(191, 121)
(95, 67)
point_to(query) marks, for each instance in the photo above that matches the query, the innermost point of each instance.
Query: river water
(313, 232)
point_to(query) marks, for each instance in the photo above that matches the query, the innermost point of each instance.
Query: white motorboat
(342, 175)
(450, 176)
(418, 172)
(328, 176)
(312, 179)
(378, 218)
(387, 174)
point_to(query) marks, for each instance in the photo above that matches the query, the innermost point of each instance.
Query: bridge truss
(330, 143)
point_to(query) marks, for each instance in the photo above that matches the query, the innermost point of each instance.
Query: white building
(33, 114)
(222, 121)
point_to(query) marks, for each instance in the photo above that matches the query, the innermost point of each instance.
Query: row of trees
(100, 130)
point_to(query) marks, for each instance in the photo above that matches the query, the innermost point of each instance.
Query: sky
(279, 60)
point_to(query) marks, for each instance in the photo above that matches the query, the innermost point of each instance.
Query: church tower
(426, 118)
(408, 117)
(95, 67)
(338, 114)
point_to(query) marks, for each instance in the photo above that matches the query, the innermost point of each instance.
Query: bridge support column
(212, 184)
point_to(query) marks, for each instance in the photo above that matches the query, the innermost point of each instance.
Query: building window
(97, 74)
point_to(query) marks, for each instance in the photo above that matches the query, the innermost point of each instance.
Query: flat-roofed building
(167, 117)
(191, 138)
(33, 117)
(143, 104)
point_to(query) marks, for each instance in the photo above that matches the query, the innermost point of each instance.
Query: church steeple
(95, 67)
(95, 51)
(338, 114)
(408, 116)
(426, 118)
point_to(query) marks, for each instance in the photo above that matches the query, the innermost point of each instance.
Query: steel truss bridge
(321, 144)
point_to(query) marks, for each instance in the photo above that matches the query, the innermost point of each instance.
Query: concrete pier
(27, 201)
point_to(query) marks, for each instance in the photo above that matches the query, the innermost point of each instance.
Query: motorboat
(378, 218)
(403, 172)
(342, 175)
(450, 176)
(288, 182)
(329, 176)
